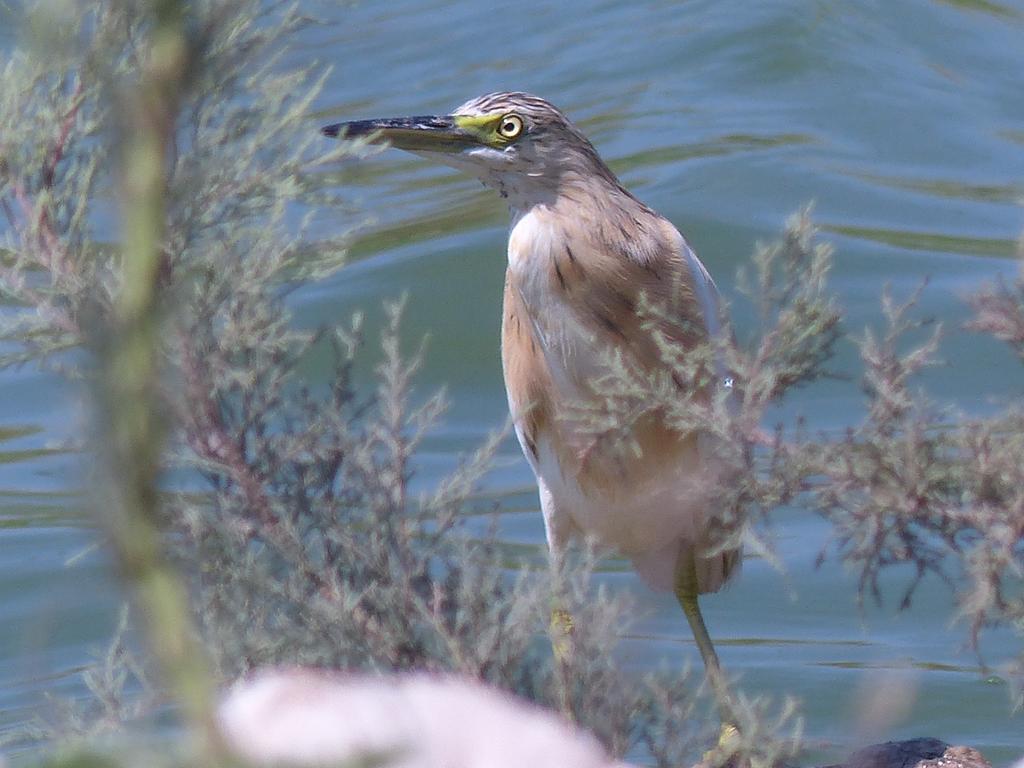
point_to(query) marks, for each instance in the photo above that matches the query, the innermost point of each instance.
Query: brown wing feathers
(601, 286)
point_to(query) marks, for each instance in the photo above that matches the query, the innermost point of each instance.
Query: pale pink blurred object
(319, 717)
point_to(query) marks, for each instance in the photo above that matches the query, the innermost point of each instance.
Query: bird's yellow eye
(510, 126)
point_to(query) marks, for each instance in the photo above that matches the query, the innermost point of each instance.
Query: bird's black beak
(429, 133)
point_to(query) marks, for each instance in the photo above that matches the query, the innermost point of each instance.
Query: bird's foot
(728, 736)
(561, 629)
(722, 754)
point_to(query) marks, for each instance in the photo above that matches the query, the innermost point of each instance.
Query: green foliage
(913, 485)
(298, 532)
(721, 389)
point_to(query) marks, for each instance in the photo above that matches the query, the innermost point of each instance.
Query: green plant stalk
(130, 382)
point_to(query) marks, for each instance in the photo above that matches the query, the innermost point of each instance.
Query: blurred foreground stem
(130, 377)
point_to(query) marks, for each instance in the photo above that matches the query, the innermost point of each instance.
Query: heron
(583, 252)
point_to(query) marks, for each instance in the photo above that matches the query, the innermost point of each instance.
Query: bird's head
(515, 142)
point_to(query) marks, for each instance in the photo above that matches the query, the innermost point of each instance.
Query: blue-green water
(904, 121)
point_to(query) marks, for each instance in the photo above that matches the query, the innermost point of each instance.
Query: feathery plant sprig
(299, 535)
(297, 528)
(721, 389)
(913, 484)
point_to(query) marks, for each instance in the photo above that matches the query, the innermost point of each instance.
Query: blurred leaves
(914, 484)
(296, 528)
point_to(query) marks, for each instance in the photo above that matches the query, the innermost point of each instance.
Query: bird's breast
(550, 286)
(573, 337)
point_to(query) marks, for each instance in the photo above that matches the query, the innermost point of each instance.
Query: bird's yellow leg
(686, 593)
(560, 625)
(560, 630)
